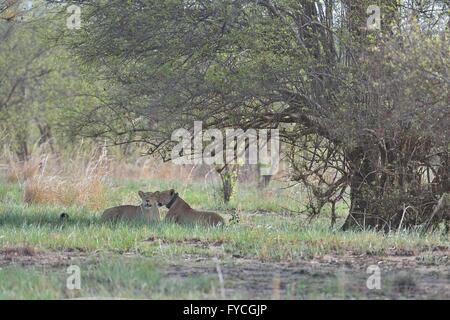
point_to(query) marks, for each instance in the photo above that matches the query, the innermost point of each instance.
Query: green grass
(110, 277)
(278, 236)
(266, 237)
(206, 195)
(117, 277)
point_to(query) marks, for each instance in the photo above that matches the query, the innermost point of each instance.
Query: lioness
(181, 212)
(148, 209)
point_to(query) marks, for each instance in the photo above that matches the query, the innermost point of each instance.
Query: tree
(20, 73)
(39, 81)
(369, 108)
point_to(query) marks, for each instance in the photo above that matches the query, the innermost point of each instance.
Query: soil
(29, 256)
(328, 277)
(403, 275)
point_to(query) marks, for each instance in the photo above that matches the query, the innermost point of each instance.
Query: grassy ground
(272, 253)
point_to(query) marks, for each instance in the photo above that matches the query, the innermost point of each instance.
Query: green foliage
(40, 86)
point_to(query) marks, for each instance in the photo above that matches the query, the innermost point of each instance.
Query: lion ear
(141, 194)
(172, 191)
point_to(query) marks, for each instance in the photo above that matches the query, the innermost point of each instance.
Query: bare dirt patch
(196, 242)
(30, 256)
(330, 277)
(423, 276)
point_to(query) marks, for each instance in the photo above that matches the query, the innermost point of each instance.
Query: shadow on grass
(50, 217)
(15, 217)
(26, 219)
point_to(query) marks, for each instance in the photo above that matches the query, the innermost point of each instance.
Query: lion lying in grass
(181, 212)
(148, 210)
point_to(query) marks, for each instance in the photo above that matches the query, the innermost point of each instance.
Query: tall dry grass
(18, 171)
(77, 179)
(153, 168)
(79, 176)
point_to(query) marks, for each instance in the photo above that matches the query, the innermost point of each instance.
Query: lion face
(149, 199)
(164, 197)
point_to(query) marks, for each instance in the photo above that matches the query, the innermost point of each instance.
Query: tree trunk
(386, 193)
(46, 135)
(263, 180)
(362, 214)
(228, 175)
